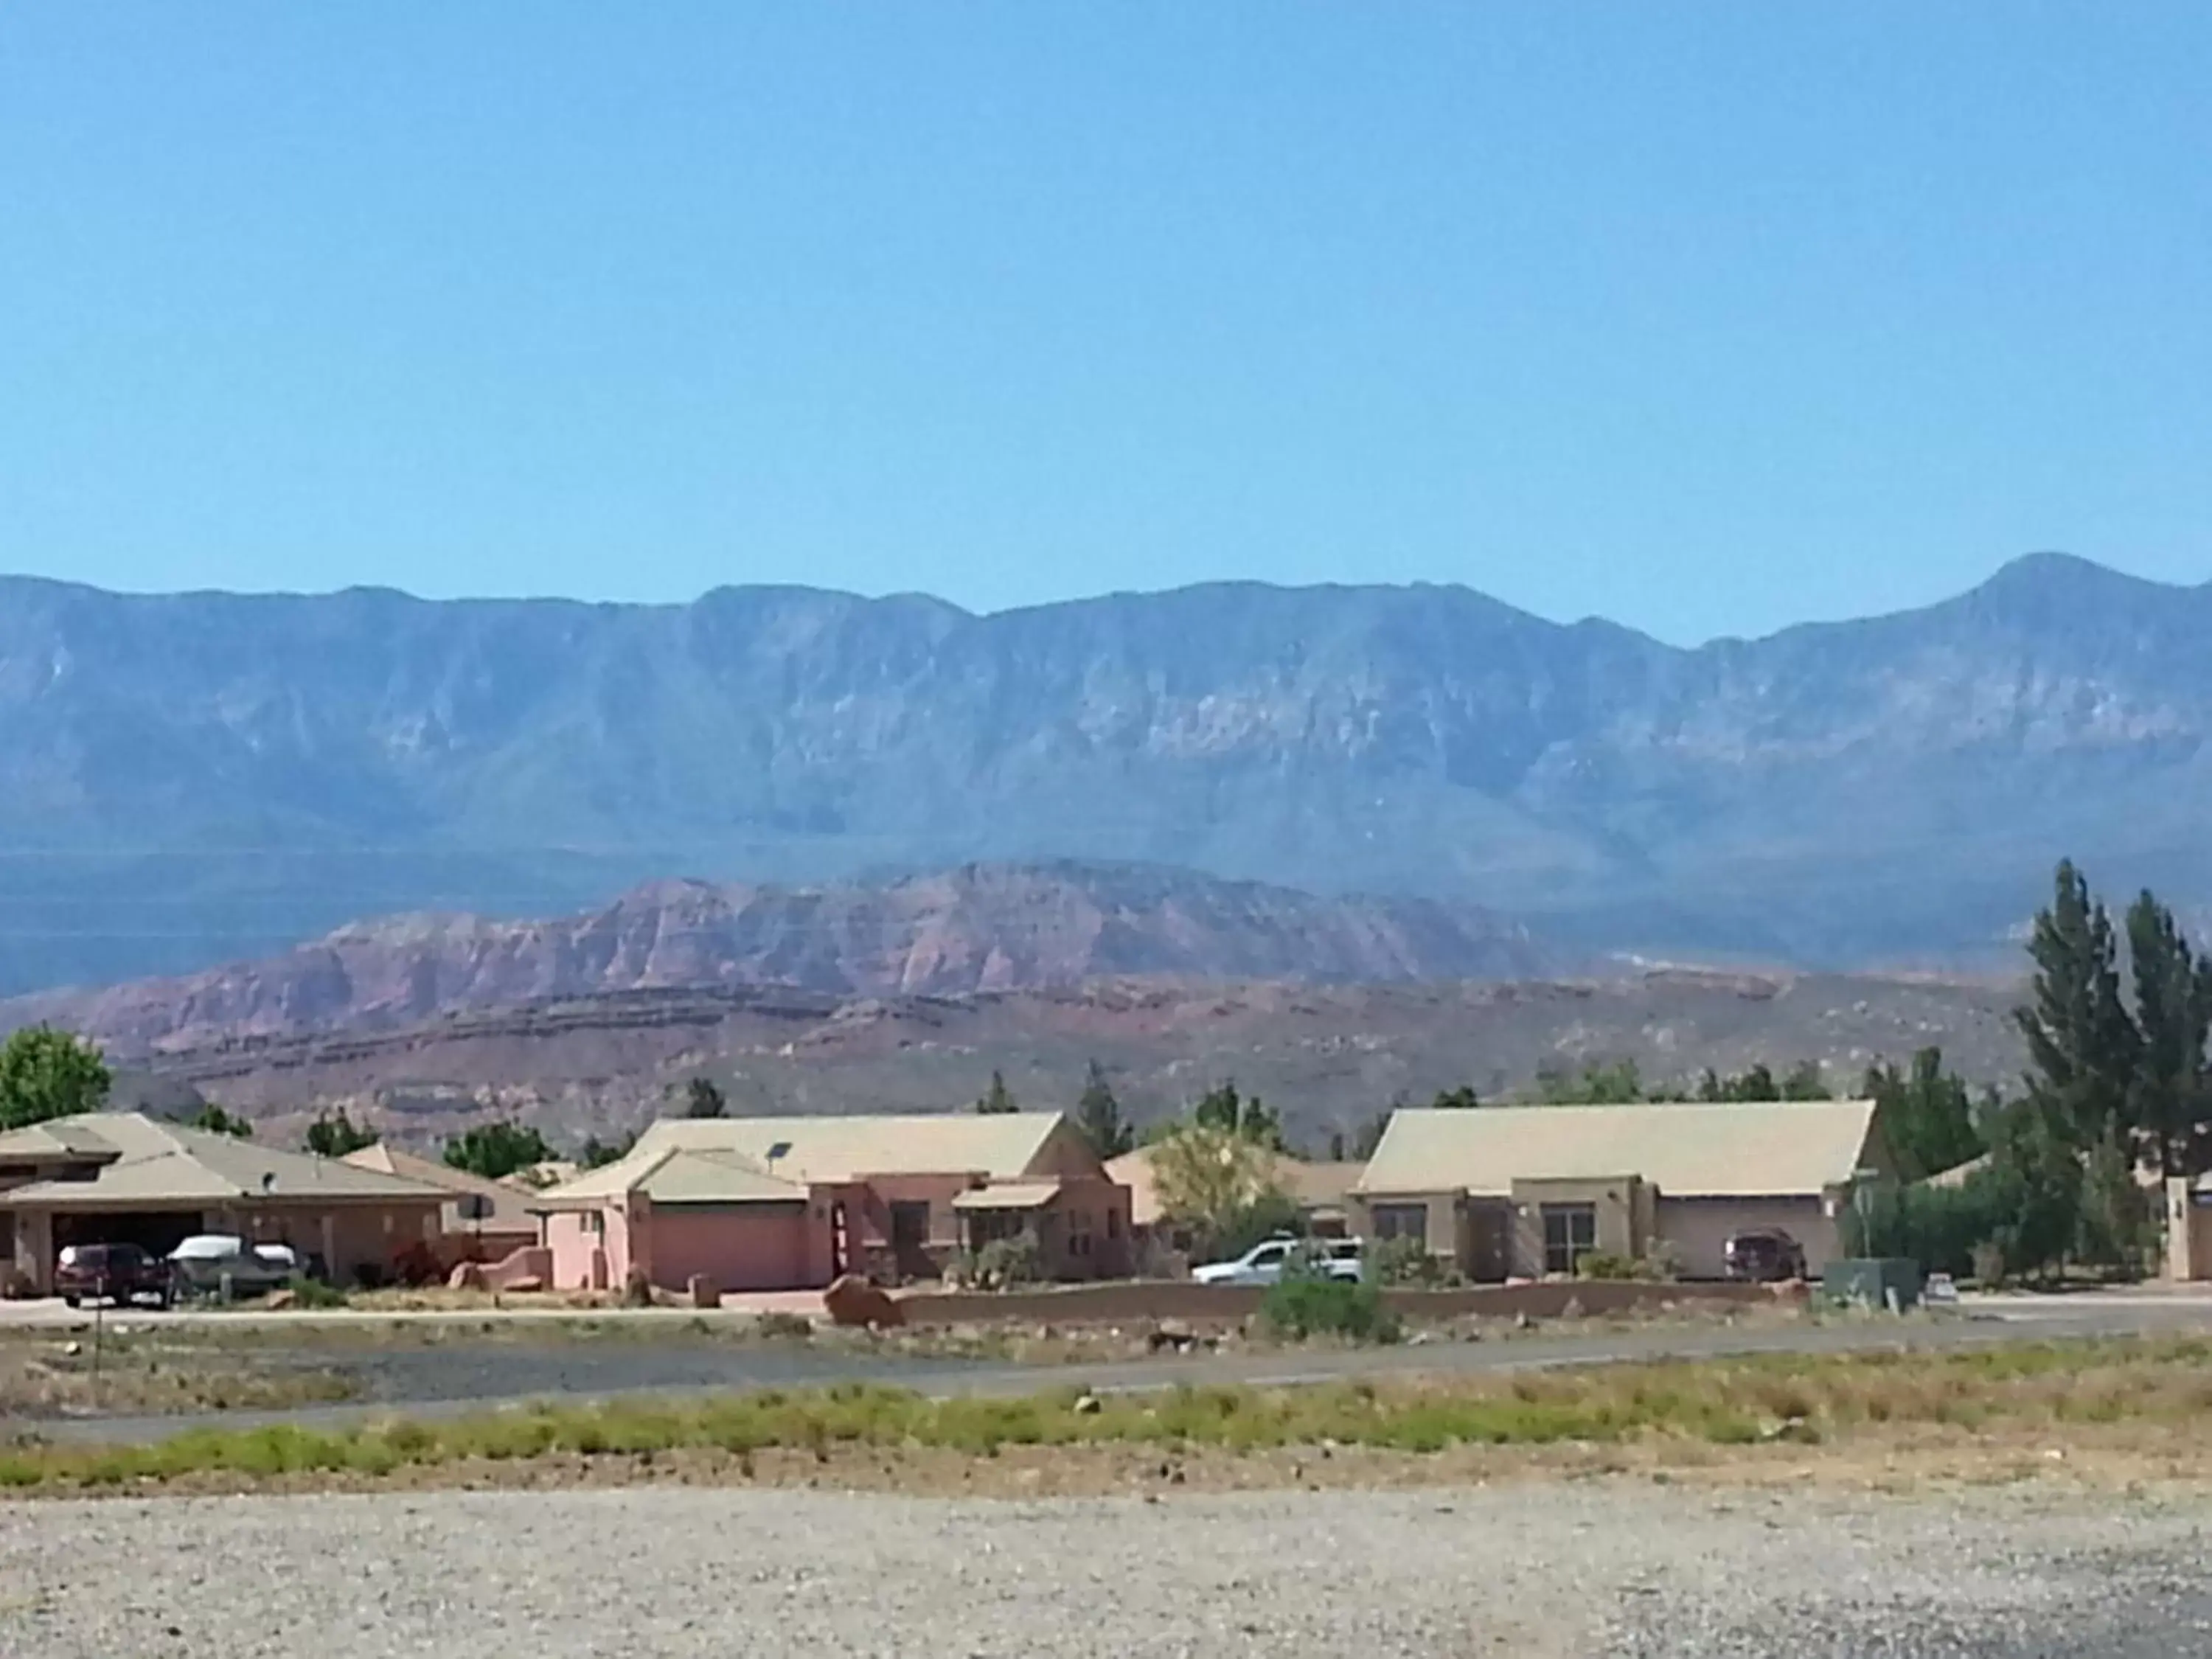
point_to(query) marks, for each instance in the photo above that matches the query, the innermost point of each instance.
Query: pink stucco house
(789, 1203)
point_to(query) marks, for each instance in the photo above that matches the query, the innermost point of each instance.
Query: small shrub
(1003, 1262)
(313, 1293)
(781, 1326)
(1403, 1261)
(1603, 1264)
(1300, 1307)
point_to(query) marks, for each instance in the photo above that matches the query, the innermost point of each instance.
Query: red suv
(121, 1273)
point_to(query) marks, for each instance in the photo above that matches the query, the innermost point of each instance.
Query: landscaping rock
(466, 1276)
(1089, 1404)
(853, 1302)
(1170, 1334)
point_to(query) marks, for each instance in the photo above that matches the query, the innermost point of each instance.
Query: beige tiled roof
(1688, 1150)
(1003, 1146)
(159, 1163)
(510, 1206)
(672, 1175)
(1321, 1186)
(58, 1137)
(1012, 1195)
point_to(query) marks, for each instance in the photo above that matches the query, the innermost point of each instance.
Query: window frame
(1570, 1249)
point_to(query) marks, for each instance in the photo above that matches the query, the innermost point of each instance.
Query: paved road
(458, 1376)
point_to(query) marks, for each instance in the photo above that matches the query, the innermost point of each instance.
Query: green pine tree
(1098, 1114)
(1928, 1117)
(2170, 1099)
(2082, 1048)
(999, 1101)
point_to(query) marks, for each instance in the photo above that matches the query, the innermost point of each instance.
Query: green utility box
(1889, 1281)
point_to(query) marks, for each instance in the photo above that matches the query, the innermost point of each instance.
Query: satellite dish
(781, 1149)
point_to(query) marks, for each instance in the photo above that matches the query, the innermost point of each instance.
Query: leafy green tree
(2114, 1226)
(496, 1151)
(333, 1134)
(2170, 1098)
(1757, 1083)
(702, 1098)
(1098, 1114)
(595, 1154)
(1805, 1081)
(2082, 1048)
(1222, 1108)
(2032, 1188)
(1461, 1099)
(1220, 1185)
(998, 1100)
(1617, 1084)
(1936, 1226)
(1927, 1115)
(213, 1119)
(45, 1074)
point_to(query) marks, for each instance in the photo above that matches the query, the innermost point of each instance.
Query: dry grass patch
(2006, 1410)
(151, 1374)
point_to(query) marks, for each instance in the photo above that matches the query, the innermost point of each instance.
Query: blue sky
(1706, 317)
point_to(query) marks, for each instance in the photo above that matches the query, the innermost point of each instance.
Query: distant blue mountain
(192, 778)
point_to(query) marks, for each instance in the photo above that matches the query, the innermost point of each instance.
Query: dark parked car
(117, 1273)
(1765, 1255)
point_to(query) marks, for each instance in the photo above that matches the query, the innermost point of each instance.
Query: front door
(1489, 1242)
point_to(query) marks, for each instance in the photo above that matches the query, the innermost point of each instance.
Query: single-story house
(125, 1177)
(791, 1203)
(1523, 1191)
(482, 1220)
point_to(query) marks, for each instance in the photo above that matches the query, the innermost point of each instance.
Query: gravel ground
(1616, 1567)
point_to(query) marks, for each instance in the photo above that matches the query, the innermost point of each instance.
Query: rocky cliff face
(189, 778)
(975, 929)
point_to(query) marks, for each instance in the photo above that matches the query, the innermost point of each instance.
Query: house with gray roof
(127, 1177)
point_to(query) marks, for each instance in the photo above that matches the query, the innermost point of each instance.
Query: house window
(1570, 1234)
(988, 1226)
(1113, 1224)
(1078, 1232)
(1402, 1221)
(595, 1223)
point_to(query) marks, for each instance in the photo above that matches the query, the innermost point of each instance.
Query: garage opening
(157, 1232)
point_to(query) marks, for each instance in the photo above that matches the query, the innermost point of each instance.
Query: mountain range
(977, 929)
(192, 779)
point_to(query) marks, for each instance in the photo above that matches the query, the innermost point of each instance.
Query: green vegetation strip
(1736, 1402)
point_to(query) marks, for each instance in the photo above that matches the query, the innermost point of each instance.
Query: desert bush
(1604, 1264)
(1403, 1261)
(1003, 1262)
(1301, 1305)
(786, 1327)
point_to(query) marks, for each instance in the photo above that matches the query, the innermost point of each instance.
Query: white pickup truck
(1265, 1262)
